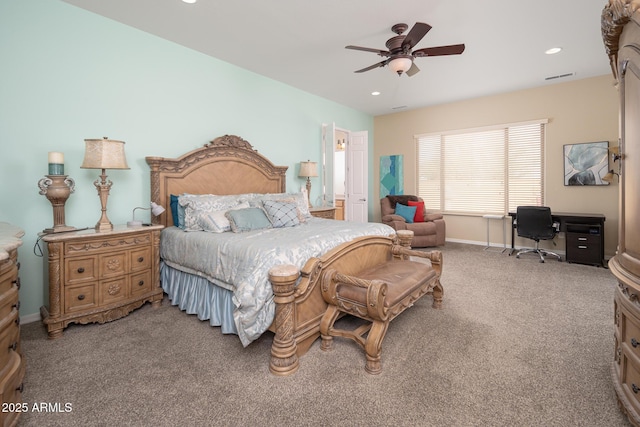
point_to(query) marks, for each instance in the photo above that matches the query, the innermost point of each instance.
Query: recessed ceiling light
(190, 1)
(375, 93)
(553, 50)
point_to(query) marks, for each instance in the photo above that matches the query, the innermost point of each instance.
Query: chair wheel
(517, 256)
(541, 260)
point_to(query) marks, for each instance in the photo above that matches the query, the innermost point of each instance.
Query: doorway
(345, 172)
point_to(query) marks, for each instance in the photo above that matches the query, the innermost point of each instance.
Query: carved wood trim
(614, 17)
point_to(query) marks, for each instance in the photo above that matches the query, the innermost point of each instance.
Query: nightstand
(97, 277)
(324, 212)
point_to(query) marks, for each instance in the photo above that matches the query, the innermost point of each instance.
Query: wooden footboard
(299, 308)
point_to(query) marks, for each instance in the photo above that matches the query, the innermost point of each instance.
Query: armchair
(430, 232)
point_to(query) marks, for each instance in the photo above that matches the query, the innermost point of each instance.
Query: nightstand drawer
(631, 382)
(78, 298)
(113, 290)
(140, 282)
(141, 259)
(630, 334)
(113, 264)
(8, 302)
(81, 269)
(11, 386)
(9, 338)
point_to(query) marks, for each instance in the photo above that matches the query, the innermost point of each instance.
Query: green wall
(68, 74)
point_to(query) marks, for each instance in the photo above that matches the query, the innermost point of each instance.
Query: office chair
(536, 223)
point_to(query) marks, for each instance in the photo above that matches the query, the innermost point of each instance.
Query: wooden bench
(379, 294)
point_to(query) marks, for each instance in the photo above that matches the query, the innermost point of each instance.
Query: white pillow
(197, 205)
(216, 221)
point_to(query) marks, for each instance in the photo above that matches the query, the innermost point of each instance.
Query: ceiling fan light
(400, 64)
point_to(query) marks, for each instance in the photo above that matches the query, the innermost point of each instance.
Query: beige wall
(578, 111)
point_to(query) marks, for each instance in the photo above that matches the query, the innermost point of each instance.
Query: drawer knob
(17, 321)
(17, 282)
(13, 346)
(635, 388)
(16, 305)
(81, 270)
(140, 259)
(18, 265)
(634, 342)
(20, 388)
(141, 282)
(81, 297)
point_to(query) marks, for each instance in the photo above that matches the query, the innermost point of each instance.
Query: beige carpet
(517, 343)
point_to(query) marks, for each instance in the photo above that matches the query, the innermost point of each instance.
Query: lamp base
(134, 223)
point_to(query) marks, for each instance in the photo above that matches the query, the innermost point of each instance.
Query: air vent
(401, 107)
(559, 76)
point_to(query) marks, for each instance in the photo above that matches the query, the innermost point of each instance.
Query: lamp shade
(308, 169)
(104, 154)
(401, 64)
(156, 209)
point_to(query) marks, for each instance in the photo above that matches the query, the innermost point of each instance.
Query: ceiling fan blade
(413, 70)
(368, 49)
(371, 67)
(454, 49)
(416, 34)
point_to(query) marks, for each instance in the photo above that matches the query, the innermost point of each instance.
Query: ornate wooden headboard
(226, 165)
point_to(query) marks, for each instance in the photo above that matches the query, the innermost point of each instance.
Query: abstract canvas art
(391, 179)
(586, 163)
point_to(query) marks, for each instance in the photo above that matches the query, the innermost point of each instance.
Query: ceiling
(301, 43)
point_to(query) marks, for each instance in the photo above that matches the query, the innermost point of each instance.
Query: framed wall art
(586, 163)
(391, 178)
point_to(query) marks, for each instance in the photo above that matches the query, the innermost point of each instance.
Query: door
(357, 177)
(328, 138)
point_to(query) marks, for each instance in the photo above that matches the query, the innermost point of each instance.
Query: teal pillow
(248, 219)
(406, 212)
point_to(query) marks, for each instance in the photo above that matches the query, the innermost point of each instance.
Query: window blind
(478, 171)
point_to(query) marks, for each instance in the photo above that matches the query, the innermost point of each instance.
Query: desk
(584, 235)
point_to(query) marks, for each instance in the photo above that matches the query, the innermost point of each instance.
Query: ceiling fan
(400, 55)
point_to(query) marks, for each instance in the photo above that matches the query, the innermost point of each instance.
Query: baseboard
(498, 245)
(30, 318)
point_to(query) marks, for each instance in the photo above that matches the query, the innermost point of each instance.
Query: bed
(229, 284)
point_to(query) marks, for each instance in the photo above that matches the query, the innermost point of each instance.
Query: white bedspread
(240, 262)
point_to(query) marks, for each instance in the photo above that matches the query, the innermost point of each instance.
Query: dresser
(621, 34)
(12, 364)
(100, 276)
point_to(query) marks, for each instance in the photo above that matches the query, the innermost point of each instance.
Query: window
(478, 171)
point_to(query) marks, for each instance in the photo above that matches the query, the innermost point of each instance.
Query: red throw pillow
(419, 216)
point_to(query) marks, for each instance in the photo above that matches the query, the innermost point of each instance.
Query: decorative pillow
(298, 198)
(406, 212)
(174, 210)
(217, 221)
(281, 214)
(196, 205)
(419, 216)
(248, 219)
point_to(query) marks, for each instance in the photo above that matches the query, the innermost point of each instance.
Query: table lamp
(307, 170)
(104, 154)
(155, 208)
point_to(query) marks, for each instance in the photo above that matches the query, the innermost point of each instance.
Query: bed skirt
(196, 295)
